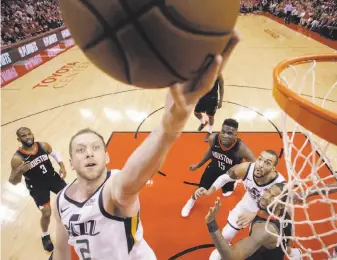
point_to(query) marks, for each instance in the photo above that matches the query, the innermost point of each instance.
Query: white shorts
(142, 251)
(244, 205)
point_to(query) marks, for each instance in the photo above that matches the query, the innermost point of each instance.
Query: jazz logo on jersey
(76, 228)
(254, 193)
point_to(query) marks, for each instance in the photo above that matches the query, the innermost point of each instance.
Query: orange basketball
(150, 43)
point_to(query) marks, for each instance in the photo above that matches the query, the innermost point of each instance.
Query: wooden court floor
(56, 107)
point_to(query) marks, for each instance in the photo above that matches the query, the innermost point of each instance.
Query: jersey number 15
(222, 165)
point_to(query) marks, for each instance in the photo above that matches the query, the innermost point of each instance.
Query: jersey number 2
(43, 168)
(84, 250)
(221, 165)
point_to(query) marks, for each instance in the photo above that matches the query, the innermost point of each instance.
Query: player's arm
(207, 155)
(62, 249)
(233, 174)
(19, 167)
(246, 153)
(52, 152)
(221, 90)
(245, 247)
(147, 159)
(328, 189)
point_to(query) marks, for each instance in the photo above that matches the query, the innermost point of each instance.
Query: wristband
(56, 156)
(212, 226)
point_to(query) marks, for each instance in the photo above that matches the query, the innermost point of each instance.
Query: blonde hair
(85, 131)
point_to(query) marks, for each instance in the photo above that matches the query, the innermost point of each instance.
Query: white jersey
(97, 235)
(249, 202)
(256, 190)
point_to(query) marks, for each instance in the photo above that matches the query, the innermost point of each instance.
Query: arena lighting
(87, 113)
(113, 115)
(136, 116)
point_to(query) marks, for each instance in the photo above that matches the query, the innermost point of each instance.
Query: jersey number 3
(221, 165)
(85, 251)
(43, 168)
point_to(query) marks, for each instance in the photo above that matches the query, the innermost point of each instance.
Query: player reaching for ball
(257, 177)
(98, 214)
(150, 44)
(260, 244)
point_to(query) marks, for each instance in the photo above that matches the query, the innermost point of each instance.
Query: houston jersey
(277, 253)
(256, 190)
(214, 91)
(41, 167)
(225, 158)
(97, 235)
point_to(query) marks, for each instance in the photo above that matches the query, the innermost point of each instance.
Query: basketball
(148, 43)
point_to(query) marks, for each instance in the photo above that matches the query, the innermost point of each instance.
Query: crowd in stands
(21, 19)
(316, 15)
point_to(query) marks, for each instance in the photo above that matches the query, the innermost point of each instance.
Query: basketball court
(68, 93)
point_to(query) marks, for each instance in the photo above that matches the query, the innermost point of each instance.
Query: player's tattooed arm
(234, 173)
(238, 171)
(19, 167)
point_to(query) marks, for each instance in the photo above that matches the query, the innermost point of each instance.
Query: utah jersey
(225, 158)
(277, 253)
(250, 199)
(41, 168)
(256, 190)
(97, 235)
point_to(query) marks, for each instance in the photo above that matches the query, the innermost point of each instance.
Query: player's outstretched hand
(298, 198)
(182, 97)
(245, 218)
(213, 211)
(200, 192)
(193, 167)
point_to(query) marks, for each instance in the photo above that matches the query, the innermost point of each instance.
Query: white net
(311, 164)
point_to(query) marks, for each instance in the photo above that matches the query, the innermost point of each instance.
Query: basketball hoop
(310, 151)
